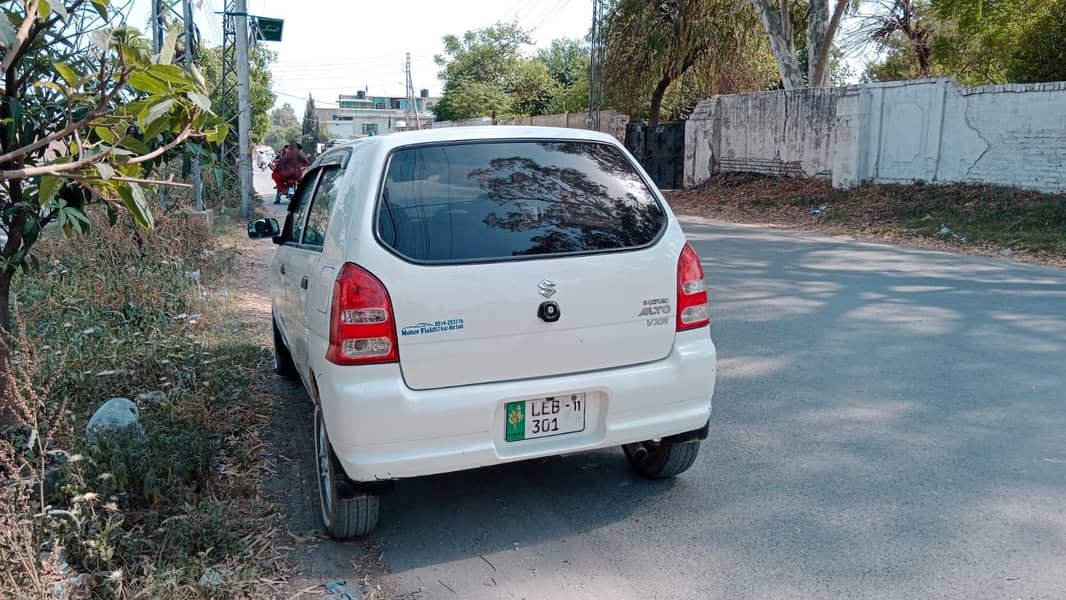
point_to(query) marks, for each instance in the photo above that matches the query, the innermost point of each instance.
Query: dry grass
(120, 313)
(980, 219)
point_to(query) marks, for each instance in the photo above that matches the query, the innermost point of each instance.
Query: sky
(332, 47)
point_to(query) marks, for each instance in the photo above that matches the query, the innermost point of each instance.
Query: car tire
(283, 364)
(657, 460)
(344, 514)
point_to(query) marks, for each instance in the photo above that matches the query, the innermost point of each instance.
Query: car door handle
(303, 283)
(282, 269)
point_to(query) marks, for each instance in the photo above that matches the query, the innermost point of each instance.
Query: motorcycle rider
(291, 166)
(275, 174)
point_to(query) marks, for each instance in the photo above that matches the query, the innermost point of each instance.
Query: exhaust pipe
(637, 451)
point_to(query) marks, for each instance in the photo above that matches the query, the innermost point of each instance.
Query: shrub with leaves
(123, 314)
(87, 113)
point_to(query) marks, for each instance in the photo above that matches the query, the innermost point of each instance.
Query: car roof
(498, 132)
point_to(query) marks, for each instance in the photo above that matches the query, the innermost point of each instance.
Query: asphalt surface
(888, 423)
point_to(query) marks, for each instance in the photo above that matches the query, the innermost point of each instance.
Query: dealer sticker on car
(555, 415)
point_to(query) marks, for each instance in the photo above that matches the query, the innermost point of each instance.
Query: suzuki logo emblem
(547, 288)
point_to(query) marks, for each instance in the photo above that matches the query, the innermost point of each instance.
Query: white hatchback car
(457, 298)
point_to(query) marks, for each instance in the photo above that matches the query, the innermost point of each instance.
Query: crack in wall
(988, 145)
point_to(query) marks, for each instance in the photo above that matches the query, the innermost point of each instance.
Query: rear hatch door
(492, 237)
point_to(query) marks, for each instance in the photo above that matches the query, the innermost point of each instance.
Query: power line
(554, 10)
(520, 19)
(513, 9)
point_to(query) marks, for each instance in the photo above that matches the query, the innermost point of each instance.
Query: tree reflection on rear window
(484, 201)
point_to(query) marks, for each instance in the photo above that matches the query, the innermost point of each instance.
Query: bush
(122, 313)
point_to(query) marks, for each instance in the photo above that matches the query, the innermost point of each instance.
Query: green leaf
(152, 113)
(105, 134)
(101, 8)
(105, 170)
(217, 134)
(43, 8)
(102, 39)
(66, 73)
(156, 127)
(31, 229)
(201, 100)
(171, 74)
(50, 85)
(48, 189)
(198, 77)
(134, 145)
(136, 202)
(144, 82)
(166, 52)
(7, 32)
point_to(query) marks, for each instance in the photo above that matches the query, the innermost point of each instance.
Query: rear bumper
(381, 429)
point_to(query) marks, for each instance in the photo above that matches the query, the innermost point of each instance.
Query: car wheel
(344, 515)
(283, 364)
(657, 460)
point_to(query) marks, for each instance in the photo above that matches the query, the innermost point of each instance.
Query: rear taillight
(692, 309)
(361, 326)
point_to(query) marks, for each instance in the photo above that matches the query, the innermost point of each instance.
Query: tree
(311, 130)
(488, 55)
(284, 126)
(531, 88)
(566, 60)
(903, 31)
(87, 113)
(260, 82)
(650, 46)
(472, 99)
(780, 19)
(975, 42)
(485, 73)
(1040, 52)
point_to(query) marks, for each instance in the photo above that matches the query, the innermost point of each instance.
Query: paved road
(889, 423)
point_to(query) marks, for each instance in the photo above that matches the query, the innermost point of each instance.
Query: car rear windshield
(488, 201)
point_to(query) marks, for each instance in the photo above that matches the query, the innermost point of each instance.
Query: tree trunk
(779, 28)
(820, 75)
(657, 100)
(9, 415)
(817, 27)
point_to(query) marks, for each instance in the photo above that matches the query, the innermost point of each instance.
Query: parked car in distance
(458, 298)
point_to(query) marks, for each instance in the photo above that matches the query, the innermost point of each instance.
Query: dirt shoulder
(973, 219)
(316, 566)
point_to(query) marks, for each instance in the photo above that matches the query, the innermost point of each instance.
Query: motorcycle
(289, 185)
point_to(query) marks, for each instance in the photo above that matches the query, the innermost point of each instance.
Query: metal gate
(660, 150)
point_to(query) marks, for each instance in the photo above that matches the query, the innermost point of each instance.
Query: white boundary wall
(927, 130)
(611, 122)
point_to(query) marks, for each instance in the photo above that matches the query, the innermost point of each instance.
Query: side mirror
(266, 227)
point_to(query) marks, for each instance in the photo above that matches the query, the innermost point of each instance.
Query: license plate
(544, 417)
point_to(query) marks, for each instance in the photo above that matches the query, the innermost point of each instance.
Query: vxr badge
(547, 288)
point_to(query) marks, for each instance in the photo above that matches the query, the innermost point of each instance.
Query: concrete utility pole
(244, 110)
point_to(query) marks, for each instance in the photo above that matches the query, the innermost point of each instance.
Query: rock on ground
(114, 415)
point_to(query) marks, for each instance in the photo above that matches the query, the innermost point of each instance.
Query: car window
(294, 223)
(321, 206)
(485, 201)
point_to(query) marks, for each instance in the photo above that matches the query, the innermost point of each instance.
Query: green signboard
(268, 30)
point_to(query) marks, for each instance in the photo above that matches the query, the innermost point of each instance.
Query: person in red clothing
(292, 165)
(275, 174)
